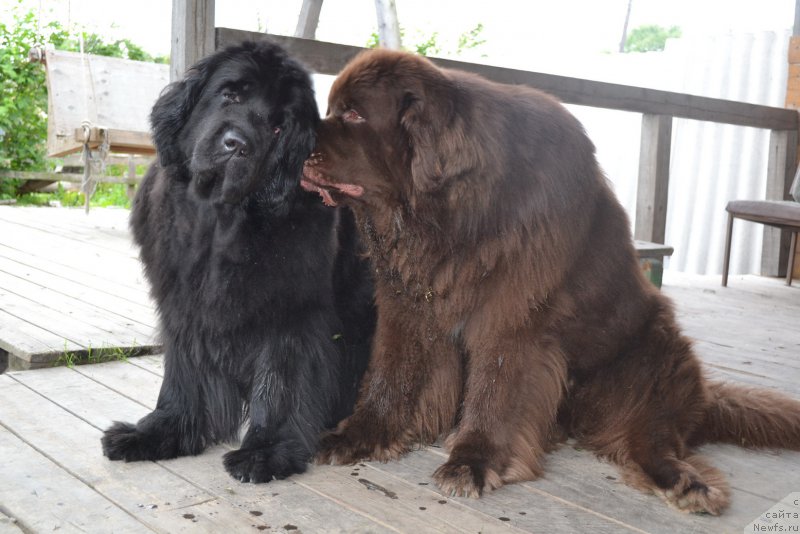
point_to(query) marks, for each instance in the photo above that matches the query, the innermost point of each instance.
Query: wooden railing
(658, 108)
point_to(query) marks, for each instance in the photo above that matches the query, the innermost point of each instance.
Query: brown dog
(510, 301)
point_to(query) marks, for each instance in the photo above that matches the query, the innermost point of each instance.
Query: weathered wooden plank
(126, 379)
(336, 483)
(153, 363)
(139, 313)
(77, 256)
(70, 317)
(30, 342)
(9, 525)
(277, 504)
(74, 225)
(286, 505)
(578, 476)
(134, 296)
(145, 490)
(329, 58)
(393, 501)
(769, 474)
(653, 186)
(46, 498)
(125, 141)
(514, 505)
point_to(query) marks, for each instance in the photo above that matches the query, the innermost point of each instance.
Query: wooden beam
(653, 188)
(780, 171)
(319, 56)
(329, 58)
(119, 140)
(308, 20)
(192, 34)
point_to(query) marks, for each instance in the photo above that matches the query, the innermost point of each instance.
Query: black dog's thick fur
(264, 303)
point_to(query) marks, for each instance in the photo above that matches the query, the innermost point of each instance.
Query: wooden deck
(53, 475)
(70, 285)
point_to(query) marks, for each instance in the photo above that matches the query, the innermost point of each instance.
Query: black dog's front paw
(262, 465)
(122, 441)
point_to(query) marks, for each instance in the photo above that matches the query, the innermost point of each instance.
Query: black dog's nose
(234, 142)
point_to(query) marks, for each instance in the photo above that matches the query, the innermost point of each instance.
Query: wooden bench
(104, 101)
(114, 96)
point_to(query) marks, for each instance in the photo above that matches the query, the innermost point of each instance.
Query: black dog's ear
(441, 147)
(296, 138)
(172, 109)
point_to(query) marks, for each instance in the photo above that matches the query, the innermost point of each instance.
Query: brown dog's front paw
(466, 478)
(348, 446)
(338, 449)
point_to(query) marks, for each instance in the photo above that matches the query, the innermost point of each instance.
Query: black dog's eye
(352, 115)
(276, 130)
(230, 96)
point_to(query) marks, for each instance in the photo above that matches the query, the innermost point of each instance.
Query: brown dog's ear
(441, 144)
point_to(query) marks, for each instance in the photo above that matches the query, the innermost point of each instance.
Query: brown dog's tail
(750, 417)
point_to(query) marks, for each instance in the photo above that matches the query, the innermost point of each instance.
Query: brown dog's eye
(352, 115)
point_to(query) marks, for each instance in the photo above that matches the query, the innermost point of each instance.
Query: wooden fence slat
(653, 186)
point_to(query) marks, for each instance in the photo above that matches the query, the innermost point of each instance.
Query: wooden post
(388, 26)
(780, 171)
(793, 88)
(653, 186)
(192, 34)
(309, 19)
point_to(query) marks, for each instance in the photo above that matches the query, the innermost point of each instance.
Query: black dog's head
(240, 122)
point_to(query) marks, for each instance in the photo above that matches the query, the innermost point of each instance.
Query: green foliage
(104, 196)
(471, 39)
(23, 88)
(23, 93)
(90, 356)
(428, 47)
(431, 45)
(96, 45)
(650, 38)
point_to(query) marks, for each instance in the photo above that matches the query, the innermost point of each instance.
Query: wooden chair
(783, 214)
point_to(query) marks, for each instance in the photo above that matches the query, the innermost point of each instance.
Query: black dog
(264, 301)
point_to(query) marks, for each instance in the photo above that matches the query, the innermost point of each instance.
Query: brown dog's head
(392, 132)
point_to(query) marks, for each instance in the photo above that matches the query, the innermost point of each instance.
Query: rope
(94, 165)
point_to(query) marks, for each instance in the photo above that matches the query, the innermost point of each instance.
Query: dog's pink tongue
(327, 199)
(350, 189)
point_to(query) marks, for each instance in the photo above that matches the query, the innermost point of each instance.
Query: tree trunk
(309, 19)
(388, 27)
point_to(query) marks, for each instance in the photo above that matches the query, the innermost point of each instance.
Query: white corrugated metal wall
(711, 163)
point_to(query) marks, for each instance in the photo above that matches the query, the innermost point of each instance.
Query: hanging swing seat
(100, 96)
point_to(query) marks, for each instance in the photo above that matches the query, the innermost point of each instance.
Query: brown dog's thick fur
(511, 305)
